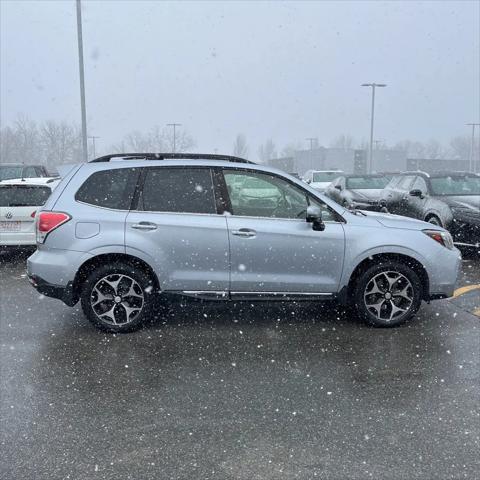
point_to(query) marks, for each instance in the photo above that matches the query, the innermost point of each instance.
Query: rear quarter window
(109, 188)
(23, 196)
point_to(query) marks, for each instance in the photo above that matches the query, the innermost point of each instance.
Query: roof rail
(170, 156)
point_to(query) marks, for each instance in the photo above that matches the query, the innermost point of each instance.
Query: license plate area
(10, 226)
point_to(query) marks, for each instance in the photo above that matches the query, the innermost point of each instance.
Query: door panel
(282, 255)
(187, 251)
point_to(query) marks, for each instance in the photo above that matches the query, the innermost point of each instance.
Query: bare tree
(343, 141)
(240, 148)
(156, 140)
(60, 143)
(267, 151)
(290, 149)
(460, 147)
(413, 149)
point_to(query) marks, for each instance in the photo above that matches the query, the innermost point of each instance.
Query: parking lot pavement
(270, 391)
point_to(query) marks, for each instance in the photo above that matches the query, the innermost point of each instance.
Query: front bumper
(465, 234)
(65, 294)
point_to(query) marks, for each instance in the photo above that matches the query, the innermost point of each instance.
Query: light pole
(311, 140)
(82, 81)
(174, 125)
(93, 137)
(471, 163)
(370, 150)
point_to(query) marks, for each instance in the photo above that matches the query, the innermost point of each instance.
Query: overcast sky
(284, 71)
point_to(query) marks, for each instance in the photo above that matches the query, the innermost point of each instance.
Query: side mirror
(416, 193)
(338, 187)
(314, 216)
(308, 181)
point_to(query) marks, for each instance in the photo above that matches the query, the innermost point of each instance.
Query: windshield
(366, 182)
(23, 196)
(8, 173)
(456, 185)
(325, 176)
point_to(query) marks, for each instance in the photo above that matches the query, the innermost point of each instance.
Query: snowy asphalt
(271, 391)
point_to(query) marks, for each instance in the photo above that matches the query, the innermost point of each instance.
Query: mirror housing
(416, 193)
(338, 187)
(314, 216)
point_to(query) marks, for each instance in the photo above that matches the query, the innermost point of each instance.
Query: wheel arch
(110, 258)
(406, 259)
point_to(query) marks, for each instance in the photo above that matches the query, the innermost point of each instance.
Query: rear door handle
(244, 232)
(144, 226)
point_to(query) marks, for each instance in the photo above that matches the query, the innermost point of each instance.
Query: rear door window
(109, 188)
(181, 190)
(23, 195)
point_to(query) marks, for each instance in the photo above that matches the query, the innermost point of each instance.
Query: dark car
(357, 191)
(448, 199)
(10, 171)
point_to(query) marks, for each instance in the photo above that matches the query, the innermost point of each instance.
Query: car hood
(366, 193)
(397, 221)
(462, 201)
(320, 185)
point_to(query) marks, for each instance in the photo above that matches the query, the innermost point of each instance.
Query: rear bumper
(65, 294)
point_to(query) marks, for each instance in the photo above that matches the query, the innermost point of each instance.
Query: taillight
(49, 221)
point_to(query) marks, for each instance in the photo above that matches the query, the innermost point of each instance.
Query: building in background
(349, 160)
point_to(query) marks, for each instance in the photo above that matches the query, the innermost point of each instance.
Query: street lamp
(82, 81)
(174, 125)
(471, 163)
(370, 150)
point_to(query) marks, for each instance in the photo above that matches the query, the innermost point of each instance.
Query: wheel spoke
(375, 288)
(100, 296)
(129, 310)
(110, 314)
(403, 293)
(113, 283)
(131, 291)
(377, 307)
(396, 310)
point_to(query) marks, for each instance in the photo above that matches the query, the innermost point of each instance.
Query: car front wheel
(387, 294)
(117, 298)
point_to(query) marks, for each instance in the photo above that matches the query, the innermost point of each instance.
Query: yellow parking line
(465, 289)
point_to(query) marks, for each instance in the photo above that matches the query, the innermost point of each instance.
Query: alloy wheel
(117, 299)
(388, 295)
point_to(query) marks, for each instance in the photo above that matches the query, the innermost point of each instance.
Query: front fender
(379, 250)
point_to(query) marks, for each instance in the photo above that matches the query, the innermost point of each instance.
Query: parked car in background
(448, 199)
(10, 171)
(321, 179)
(20, 200)
(117, 233)
(357, 191)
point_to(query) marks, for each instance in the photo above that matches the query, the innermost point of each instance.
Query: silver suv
(123, 228)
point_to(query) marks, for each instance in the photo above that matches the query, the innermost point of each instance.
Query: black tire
(390, 306)
(435, 221)
(135, 290)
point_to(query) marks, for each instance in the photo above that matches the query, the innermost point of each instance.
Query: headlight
(443, 238)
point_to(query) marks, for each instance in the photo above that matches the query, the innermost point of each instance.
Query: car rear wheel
(387, 294)
(117, 298)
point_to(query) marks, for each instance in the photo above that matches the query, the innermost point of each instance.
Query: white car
(321, 179)
(19, 201)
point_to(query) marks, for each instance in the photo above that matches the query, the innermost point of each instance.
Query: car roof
(21, 165)
(363, 175)
(39, 182)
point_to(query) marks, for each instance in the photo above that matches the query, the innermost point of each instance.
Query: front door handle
(144, 226)
(244, 232)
